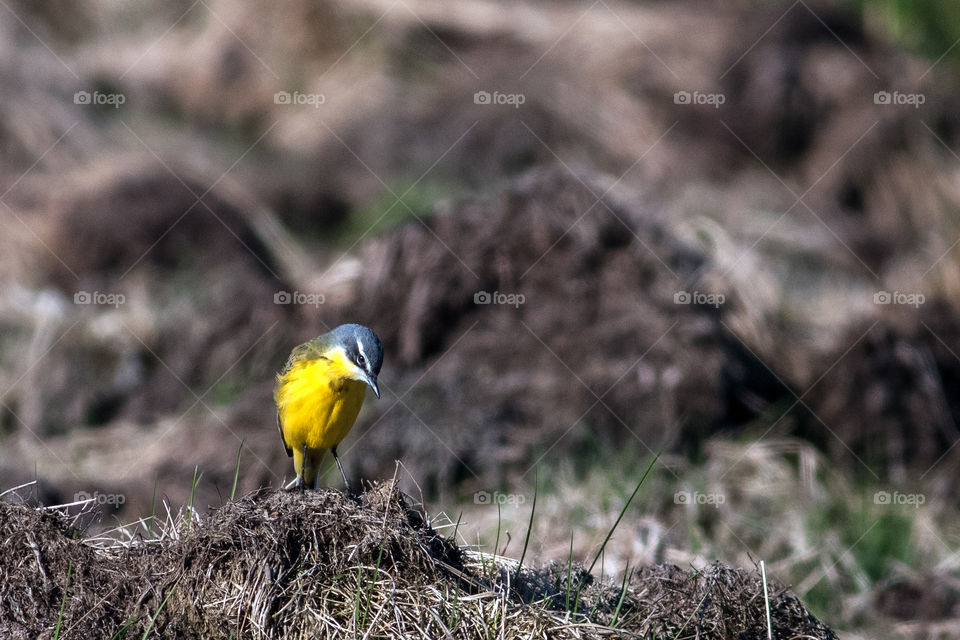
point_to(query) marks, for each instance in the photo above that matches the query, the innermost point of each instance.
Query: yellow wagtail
(319, 394)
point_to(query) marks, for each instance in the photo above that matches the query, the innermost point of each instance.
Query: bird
(319, 393)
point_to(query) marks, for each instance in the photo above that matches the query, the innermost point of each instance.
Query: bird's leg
(303, 466)
(333, 450)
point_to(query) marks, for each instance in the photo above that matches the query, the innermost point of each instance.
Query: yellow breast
(318, 403)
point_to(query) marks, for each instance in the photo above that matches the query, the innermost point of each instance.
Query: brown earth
(276, 564)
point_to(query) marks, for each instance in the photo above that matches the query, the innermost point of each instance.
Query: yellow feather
(318, 400)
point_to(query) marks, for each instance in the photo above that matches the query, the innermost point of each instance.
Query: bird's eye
(360, 359)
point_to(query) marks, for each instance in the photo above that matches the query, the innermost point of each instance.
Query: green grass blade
(690, 617)
(122, 631)
(236, 472)
(153, 509)
(369, 596)
(623, 595)
(357, 601)
(569, 571)
(456, 528)
(526, 540)
(496, 544)
(193, 491)
(454, 618)
(153, 618)
(622, 512)
(63, 602)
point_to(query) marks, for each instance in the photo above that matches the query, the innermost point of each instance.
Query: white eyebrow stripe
(360, 347)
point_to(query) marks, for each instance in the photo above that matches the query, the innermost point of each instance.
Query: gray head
(363, 349)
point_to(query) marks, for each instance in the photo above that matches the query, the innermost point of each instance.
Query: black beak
(372, 381)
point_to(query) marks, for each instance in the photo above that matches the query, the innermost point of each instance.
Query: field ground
(280, 564)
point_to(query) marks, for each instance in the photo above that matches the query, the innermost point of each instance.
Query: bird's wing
(282, 439)
(300, 352)
(306, 351)
(310, 350)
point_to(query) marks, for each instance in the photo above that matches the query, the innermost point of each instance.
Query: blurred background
(726, 232)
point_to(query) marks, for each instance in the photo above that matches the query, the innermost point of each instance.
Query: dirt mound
(817, 102)
(46, 559)
(276, 564)
(542, 320)
(730, 604)
(535, 322)
(148, 268)
(923, 598)
(893, 378)
(110, 219)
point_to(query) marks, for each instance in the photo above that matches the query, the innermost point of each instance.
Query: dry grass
(862, 566)
(279, 564)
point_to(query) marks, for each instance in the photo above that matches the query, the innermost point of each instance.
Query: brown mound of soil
(886, 402)
(47, 566)
(586, 340)
(599, 350)
(730, 604)
(920, 597)
(870, 166)
(112, 219)
(191, 283)
(277, 564)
